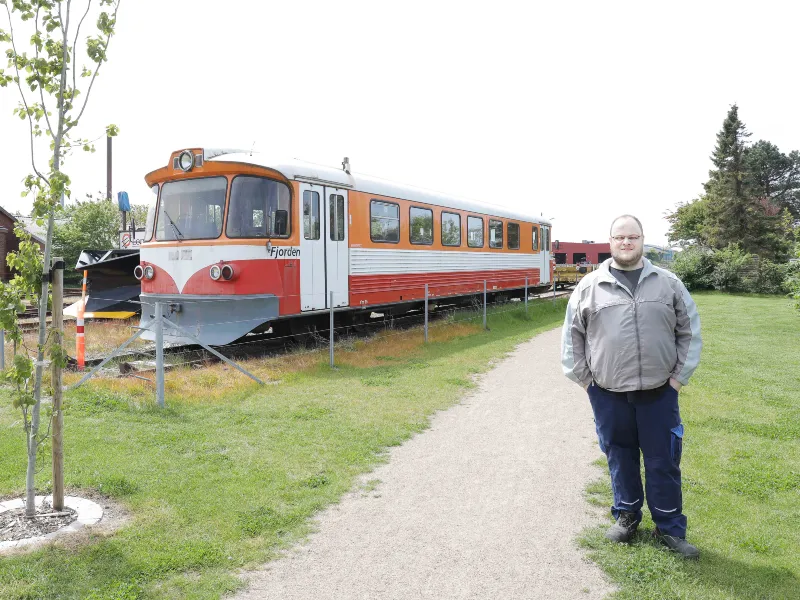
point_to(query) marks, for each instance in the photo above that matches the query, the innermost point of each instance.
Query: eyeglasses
(622, 238)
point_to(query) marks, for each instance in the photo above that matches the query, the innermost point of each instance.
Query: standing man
(631, 338)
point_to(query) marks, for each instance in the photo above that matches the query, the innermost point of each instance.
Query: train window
(546, 239)
(535, 238)
(259, 208)
(603, 256)
(420, 230)
(384, 222)
(191, 209)
(151, 215)
(451, 229)
(336, 210)
(495, 234)
(513, 236)
(561, 258)
(311, 220)
(474, 232)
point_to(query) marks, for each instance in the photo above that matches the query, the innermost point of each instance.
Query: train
(239, 243)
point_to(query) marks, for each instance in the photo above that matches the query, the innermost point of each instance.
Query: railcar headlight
(227, 272)
(149, 272)
(138, 272)
(186, 160)
(215, 272)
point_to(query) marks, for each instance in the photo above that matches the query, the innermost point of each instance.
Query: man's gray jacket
(630, 342)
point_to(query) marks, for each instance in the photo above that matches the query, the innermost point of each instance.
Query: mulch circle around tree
(14, 525)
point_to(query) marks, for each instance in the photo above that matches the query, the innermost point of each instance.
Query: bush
(733, 270)
(792, 282)
(728, 266)
(769, 278)
(695, 266)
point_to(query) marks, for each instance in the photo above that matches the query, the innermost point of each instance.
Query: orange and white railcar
(236, 243)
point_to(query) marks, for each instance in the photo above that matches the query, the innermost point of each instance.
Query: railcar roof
(314, 173)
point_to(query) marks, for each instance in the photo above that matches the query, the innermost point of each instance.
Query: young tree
(688, 223)
(46, 75)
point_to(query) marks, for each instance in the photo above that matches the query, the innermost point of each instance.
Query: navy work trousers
(648, 420)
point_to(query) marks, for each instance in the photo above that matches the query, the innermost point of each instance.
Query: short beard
(630, 262)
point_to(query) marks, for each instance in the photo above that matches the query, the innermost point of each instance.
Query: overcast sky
(579, 111)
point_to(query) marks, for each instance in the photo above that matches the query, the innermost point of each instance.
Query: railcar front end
(220, 253)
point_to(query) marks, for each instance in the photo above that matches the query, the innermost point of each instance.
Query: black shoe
(677, 545)
(622, 531)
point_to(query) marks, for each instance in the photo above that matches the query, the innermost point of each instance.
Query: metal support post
(526, 295)
(227, 361)
(484, 304)
(159, 354)
(2, 349)
(331, 332)
(426, 313)
(554, 290)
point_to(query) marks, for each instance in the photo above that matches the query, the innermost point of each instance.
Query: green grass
(217, 482)
(741, 465)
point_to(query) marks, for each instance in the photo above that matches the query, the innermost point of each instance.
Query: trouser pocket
(676, 444)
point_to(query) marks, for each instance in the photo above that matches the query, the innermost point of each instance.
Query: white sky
(577, 110)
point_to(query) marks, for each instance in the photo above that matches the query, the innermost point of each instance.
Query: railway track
(268, 344)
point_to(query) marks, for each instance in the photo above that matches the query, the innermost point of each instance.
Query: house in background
(9, 242)
(665, 253)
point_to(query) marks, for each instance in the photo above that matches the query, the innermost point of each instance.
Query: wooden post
(55, 375)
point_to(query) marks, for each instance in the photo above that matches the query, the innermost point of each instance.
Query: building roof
(37, 233)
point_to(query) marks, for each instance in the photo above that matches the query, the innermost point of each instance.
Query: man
(631, 338)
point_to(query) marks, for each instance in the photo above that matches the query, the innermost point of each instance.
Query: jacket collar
(604, 274)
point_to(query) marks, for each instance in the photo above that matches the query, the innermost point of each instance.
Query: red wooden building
(573, 253)
(9, 241)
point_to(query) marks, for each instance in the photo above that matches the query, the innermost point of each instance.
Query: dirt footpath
(486, 504)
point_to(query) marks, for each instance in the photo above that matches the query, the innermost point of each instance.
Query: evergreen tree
(774, 176)
(736, 211)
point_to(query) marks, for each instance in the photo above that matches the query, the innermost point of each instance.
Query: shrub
(792, 282)
(769, 278)
(695, 266)
(728, 266)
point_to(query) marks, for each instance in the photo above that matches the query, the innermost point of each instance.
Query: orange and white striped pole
(80, 340)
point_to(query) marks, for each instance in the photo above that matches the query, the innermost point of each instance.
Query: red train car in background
(573, 253)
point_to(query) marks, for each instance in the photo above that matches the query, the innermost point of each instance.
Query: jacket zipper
(636, 328)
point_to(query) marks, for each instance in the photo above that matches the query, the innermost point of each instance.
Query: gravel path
(485, 504)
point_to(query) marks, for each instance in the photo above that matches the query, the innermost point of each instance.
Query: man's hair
(626, 217)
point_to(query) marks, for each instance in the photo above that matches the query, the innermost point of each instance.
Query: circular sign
(125, 242)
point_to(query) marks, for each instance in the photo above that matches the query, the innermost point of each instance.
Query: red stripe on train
(382, 289)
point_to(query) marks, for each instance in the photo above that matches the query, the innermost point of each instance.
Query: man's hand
(676, 385)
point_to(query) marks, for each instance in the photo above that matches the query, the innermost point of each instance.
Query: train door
(336, 246)
(547, 254)
(313, 286)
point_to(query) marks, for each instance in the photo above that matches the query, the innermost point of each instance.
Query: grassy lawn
(231, 472)
(741, 465)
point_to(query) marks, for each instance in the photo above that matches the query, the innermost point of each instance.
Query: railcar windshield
(151, 215)
(191, 209)
(259, 208)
